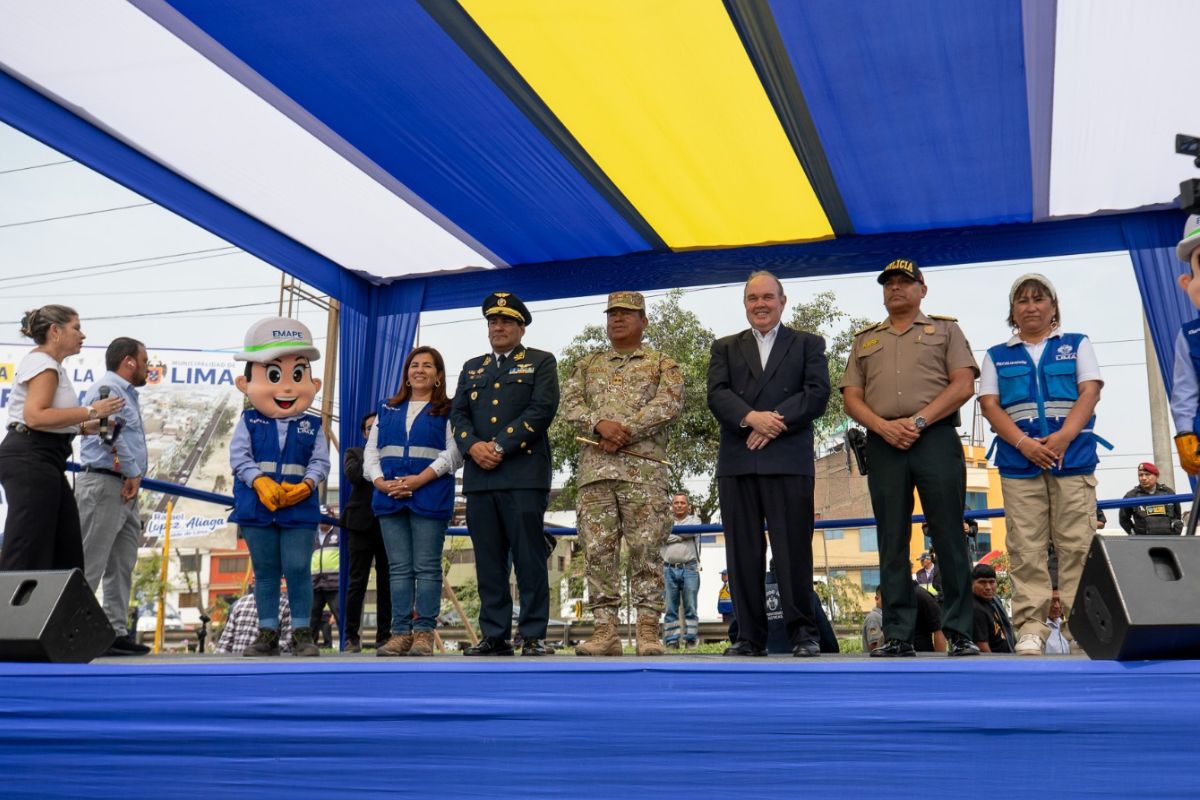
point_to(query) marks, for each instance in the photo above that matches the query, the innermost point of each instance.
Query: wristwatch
(497, 448)
(91, 412)
(919, 423)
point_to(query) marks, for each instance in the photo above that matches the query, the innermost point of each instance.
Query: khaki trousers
(1058, 509)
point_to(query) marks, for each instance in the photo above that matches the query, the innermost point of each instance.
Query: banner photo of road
(189, 406)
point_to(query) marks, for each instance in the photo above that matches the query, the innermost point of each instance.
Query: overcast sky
(142, 271)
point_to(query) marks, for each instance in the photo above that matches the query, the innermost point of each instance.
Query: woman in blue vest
(411, 459)
(1039, 391)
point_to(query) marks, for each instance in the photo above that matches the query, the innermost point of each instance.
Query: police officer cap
(506, 304)
(276, 337)
(903, 266)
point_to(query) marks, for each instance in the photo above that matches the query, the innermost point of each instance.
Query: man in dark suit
(766, 386)
(501, 413)
(365, 545)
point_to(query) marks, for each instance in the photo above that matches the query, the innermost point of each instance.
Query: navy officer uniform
(501, 414)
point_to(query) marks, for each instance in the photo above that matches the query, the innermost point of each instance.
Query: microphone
(104, 393)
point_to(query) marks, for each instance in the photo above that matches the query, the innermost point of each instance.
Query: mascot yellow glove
(269, 492)
(293, 493)
(1186, 445)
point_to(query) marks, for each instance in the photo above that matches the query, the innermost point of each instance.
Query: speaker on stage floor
(51, 616)
(1139, 598)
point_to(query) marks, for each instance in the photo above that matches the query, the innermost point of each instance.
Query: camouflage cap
(276, 337)
(630, 300)
(506, 304)
(903, 266)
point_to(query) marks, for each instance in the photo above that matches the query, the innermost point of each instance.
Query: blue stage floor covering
(567, 727)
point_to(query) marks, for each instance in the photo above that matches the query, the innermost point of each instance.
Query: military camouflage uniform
(622, 495)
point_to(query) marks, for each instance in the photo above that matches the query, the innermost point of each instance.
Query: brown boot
(422, 643)
(648, 641)
(604, 641)
(398, 645)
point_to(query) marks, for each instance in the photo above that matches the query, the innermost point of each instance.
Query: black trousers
(366, 547)
(785, 503)
(321, 599)
(933, 466)
(42, 528)
(506, 523)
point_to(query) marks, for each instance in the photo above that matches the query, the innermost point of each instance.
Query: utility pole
(1160, 413)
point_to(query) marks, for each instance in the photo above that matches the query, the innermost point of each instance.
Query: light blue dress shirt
(129, 451)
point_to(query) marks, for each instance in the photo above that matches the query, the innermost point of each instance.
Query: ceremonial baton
(585, 440)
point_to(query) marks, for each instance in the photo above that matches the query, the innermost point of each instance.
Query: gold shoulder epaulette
(865, 328)
(944, 317)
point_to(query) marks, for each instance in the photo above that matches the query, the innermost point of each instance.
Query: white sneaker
(1030, 644)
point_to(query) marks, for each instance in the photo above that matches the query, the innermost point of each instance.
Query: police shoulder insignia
(944, 317)
(487, 360)
(867, 327)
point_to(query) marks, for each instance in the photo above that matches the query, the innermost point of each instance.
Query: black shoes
(266, 644)
(894, 648)
(744, 648)
(962, 646)
(490, 646)
(125, 646)
(806, 650)
(353, 647)
(536, 647)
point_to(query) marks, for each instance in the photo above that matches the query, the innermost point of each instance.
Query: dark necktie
(500, 360)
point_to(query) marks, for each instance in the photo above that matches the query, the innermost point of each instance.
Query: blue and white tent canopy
(581, 146)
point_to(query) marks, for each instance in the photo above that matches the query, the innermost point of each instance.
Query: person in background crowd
(106, 491)
(905, 380)
(325, 568)
(1039, 391)
(1155, 519)
(928, 636)
(767, 386)
(365, 547)
(241, 625)
(724, 599)
(411, 459)
(1101, 520)
(625, 396)
(681, 576)
(924, 576)
(42, 530)
(501, 414)
(274, 443)
(1056, 643)
(993, 631)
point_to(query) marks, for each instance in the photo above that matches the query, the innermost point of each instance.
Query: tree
(821, 315)
(692, 440)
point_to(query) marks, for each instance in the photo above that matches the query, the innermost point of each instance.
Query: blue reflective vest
(1191, 335)
(1038, 399)
(289, 466)
(404, 452)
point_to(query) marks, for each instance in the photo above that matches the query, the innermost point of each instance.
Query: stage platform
(685, 726)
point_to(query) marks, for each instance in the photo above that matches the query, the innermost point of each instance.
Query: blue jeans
(414, 551)
(276, 552)
(685, 581)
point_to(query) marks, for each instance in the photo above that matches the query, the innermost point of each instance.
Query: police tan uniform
(900, 373)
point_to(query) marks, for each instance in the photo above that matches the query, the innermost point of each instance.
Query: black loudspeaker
(51, 616)
(1139, 598)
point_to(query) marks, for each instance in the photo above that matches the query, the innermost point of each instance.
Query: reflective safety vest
(1191, 335)
(1038, 398)
(289, 466)
(404, 452)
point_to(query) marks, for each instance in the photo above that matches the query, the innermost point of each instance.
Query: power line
(118, 263)
(72, 216)
(36, 166)
(125, 269)
(129, 292)
(166, 313)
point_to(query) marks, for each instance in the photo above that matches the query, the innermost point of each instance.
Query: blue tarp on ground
(698, 727)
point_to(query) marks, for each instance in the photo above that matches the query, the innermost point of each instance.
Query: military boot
(422, 643)
(648, 643)
(604, 641)
(303, 644)
(266, 644)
